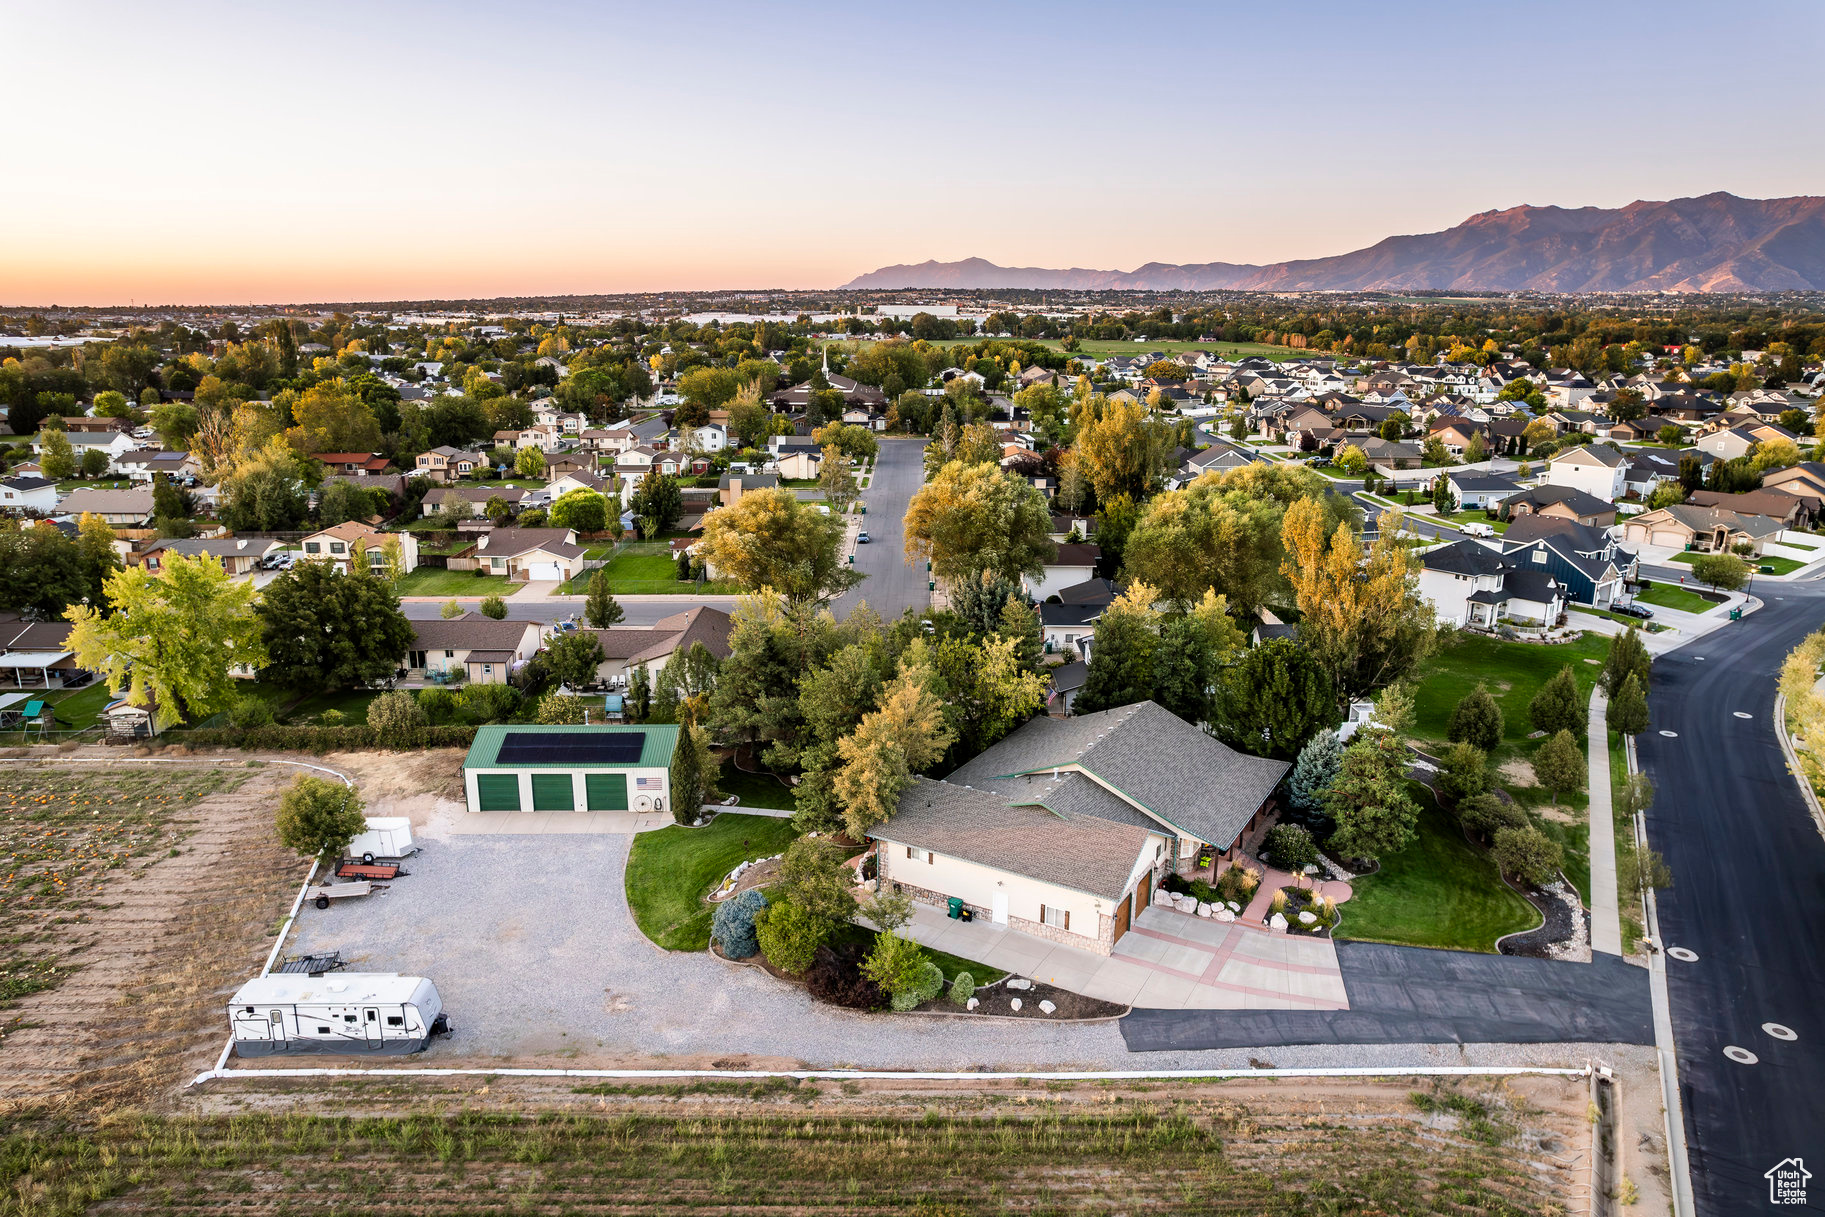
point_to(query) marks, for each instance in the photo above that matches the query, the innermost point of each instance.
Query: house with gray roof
(1065, 828)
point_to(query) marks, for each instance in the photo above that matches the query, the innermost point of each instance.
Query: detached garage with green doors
(606, 768)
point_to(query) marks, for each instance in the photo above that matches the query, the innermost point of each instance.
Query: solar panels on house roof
(566, 748)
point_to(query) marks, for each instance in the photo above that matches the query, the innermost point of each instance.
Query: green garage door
(498, 791)
(607, 791)
(552, 792)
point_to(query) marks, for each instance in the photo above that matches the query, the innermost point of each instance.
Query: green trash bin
(956, 908)
(1736, 614)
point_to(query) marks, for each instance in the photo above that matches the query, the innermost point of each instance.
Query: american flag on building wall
(649, 783)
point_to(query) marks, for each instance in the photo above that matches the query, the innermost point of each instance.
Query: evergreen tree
(980, 601)
(1368, 800)
(640, 695)
(324, 630)
(1558, 764)
(1275, 700)
(1187, 669)
(1020, 623)
(1315, 769)
(1121, 669)
(602, 609)
(1555, 707)
(1628, 656)
(1476, 720)
(1628, 710)
(694, 771)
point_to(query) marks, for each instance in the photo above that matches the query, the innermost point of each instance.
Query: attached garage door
(553, 792)
(1668, 536)
(607, 791)
(498, 791)
(1123, 916)
(545, 570)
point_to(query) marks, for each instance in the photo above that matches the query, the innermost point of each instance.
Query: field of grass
(650, 574)
(755, 789)
(1668, 595)
(1513, 672)
(779, 1146)
(64, 834)
(669, 872)
(1440, 891)
(81, 709)
(433, 581)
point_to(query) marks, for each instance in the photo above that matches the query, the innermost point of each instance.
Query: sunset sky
(223, 153)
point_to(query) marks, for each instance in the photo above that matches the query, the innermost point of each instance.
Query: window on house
(337, 547)
(312, 547)
(1540, 556)
(1057, 918)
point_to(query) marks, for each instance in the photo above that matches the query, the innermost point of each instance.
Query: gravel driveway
(538, 960)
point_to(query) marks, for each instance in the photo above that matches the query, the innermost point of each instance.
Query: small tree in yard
(1527, 854)
(1290, 847)
(789, 936)
(395, 716)
(494, 606)
(963, 987)
(1627, 656)
(887, 911)
(1639, 870)
(1368, 800)
(1488, 813)
(1559, 765)
(694, 772)
(602, 609)
(1628, 713)
(575, 658)
(318, 818)
(1464, 775)
(1317, 765)
(1476, 720)
(1555, 707)
(450, 609)
(893, 964)
(732, 927)
(1725, 572)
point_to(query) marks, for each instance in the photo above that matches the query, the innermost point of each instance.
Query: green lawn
(950, 964)
(352, 702)
(634, 574)
(670, 871)
(1668, 595)
(80, 710)
(1475, 516)
(1782, 566)
(1440, 891)
(436, 581)
(1650, 627)
(1513, 671)
(755, 789)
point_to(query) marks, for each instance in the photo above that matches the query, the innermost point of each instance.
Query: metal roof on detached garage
(656, 754)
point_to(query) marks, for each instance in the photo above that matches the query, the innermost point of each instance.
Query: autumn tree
(974, 518)
(1120, 449)
(173, 636)
(769, 539)
(332, 418)
(906, 734)
(1363, 619)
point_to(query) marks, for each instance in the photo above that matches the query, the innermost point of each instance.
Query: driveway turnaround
(1410, 995)
(1168, 960)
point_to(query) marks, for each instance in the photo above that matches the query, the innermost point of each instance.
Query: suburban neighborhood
(538, 679)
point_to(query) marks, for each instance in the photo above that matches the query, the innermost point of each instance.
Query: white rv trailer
(338, 1013)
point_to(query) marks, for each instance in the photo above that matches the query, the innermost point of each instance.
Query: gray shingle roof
(1156, 759)
(1083, 853)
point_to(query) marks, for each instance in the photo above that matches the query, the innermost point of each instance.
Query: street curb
(1793, 763)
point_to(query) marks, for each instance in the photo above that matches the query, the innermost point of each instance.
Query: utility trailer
(339, 1014)
(386, 837)
(323, 893)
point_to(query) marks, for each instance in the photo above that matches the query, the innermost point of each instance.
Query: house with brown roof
(524, 555)
(1070, 565)
(447, 464)
(627, 647)
(238, 555)
(472, 500)
(1713, 529)
(35, 654)
(472, 647)
(121, 508)
(338, 544)
(353, 464)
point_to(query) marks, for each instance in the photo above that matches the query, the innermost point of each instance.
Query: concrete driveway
(1167, 961)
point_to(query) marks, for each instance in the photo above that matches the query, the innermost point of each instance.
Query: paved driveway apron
(1407, 995)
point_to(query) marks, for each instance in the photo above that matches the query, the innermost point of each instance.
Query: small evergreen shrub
(732, 927)
(963, 987)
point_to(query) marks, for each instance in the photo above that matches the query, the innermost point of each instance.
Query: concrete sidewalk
(1167, 961)
(1606, 917)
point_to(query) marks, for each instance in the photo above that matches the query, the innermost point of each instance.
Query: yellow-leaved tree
(172, 636)
(905, 734)
(1362, 618)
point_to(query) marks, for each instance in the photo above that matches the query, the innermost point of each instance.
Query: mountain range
(1713, 243)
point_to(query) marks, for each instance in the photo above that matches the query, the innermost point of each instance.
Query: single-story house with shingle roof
(1065, 828)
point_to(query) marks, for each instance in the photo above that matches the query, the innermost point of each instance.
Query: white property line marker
(1779, 1032)
(1742, 1056)
(1683, 954)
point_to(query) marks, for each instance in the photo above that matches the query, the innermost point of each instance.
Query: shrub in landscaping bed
(836, 977)
(1238, 884)
(928, 982)
(1289, 847)
(1302, 900)
(789, 936)
(963, 988)
(732, 927)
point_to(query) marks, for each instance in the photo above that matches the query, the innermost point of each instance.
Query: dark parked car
(1633, 610)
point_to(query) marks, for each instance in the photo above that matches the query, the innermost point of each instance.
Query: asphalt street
(1748, 868)
(1410, 995)
(892, 586)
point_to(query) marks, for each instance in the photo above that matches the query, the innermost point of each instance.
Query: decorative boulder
(1046, 1007)
(1203, 909)
(1307, 918)
(1019, 982)
(1225, 915)
(1234, 907)
(971, 1004)
(1162, 896)
(1014, 1004)
(1276, 922)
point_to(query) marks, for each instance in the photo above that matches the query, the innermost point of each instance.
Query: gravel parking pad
(538, 961)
